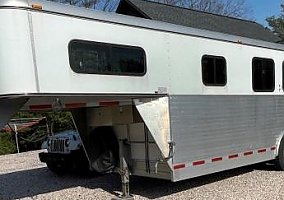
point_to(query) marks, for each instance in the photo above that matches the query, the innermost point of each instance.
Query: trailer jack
(124, 173)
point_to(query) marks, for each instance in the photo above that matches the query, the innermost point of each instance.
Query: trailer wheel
(280, 157)
(106, 149)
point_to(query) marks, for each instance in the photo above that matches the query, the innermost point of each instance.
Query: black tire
(106, 149)
(57, 167)
(280, 157)
(80, 162)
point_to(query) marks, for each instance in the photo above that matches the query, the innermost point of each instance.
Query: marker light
(37, 6)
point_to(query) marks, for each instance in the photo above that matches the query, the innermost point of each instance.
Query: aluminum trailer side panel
(51, 44)
(174, 67)
(18, 74)
(227, 131)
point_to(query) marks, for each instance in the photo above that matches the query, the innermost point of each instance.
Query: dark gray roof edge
(108, 17)
(133, 6)
(194, 10)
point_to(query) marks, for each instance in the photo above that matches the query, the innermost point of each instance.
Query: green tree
(57, 121)
(60, 121)
(277, 23)
(7, 143)
(31, 137)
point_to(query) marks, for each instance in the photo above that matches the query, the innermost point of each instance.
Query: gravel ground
(24, 177)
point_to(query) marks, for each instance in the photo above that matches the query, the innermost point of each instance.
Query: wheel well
(106, 148)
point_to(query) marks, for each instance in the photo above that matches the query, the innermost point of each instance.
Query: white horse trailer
(180, 102)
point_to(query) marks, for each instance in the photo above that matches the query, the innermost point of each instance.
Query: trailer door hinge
(171, 149)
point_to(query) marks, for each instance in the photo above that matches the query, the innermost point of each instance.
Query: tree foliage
(236, 8)
(277, 23)
(32, 137)
(7, 144)
(56, 121)
(105, 5)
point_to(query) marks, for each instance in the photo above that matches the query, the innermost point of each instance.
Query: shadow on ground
(33, 182)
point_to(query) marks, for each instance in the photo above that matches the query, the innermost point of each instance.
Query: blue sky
(264, 8)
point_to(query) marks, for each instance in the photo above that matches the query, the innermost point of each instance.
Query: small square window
(214, 71)
(263, 76)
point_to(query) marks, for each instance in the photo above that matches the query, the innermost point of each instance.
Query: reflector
(37, 6)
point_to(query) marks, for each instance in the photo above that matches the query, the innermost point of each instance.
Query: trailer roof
(108, 17)
(196, 19)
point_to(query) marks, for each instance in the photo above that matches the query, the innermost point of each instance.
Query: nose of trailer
(18, 3)
(17, 59)
(8, 107)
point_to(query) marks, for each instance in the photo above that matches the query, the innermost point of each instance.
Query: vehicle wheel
(80, 162)
(57, 167)
(280, 157)
(106, 149)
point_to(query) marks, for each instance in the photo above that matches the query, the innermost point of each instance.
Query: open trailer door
(155, 114)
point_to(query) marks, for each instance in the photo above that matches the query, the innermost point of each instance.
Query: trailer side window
(214, 71)
(263, 76)
(101, 58)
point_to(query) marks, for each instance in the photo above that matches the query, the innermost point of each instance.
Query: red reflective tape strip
(75, 105)
(109, 103)
(261, 150)
(217, 159)
(233, 156)
(41, 107)
(273, 148)
(200, 162)
(179, 166)
(248, 153)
